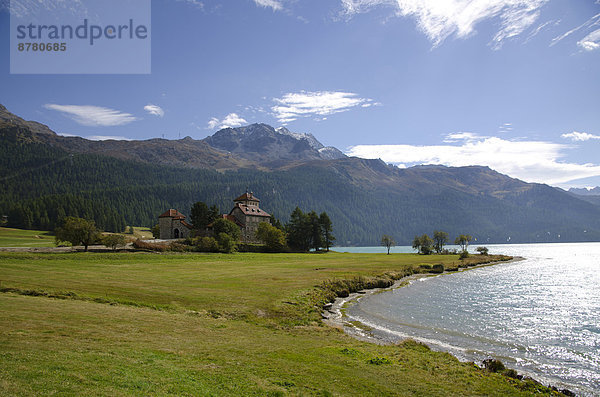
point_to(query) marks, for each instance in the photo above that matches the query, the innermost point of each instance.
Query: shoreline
(335, 316)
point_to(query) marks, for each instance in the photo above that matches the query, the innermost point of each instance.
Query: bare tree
(388, 242)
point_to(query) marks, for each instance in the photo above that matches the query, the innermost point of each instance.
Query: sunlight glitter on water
(540, 316)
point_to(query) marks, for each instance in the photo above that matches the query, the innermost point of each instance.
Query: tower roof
(247, 197)
(172, 214)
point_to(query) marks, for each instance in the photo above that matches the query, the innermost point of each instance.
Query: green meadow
(25, 238)
(208, 324)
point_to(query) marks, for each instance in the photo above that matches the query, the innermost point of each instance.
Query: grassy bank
(193, 324)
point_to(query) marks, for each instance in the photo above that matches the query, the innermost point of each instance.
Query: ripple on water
(539, 315)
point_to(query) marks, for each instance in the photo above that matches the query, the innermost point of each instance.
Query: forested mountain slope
(41, 182)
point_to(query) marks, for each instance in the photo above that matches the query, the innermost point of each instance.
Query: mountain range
(47, 176)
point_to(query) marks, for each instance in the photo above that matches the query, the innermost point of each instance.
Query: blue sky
(512, 84)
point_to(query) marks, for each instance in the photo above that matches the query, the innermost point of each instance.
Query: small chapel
(246, 213)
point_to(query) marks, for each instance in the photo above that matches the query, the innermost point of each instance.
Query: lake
(540, 316)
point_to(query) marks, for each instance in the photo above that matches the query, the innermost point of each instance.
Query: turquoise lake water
(540, 316)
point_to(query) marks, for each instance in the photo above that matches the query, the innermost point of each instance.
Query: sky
(509, 84)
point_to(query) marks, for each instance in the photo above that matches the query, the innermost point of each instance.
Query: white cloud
(194, 3)
(531, 161)
(579, 136)
(590, 42)
(107, 138)
(154, 110)
(460, 136)
(230, 121)
(439, 19)
(590, 23)
(274, 4)
(93, 116)
(310, 104)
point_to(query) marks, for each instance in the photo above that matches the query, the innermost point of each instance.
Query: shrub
(113, 241)
(483, 250)
(178, 247)
(511, 373)
(493, 365)
(439, 268)
(379, 361)
(206, 244)
(144, 245)
(349, 352)
(464, 255)
(273, 238)
(156, 231)
(226, 243)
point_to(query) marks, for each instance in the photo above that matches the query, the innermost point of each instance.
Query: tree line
(426, 245)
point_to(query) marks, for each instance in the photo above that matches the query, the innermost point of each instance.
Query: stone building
(247, 215)
(173, 225)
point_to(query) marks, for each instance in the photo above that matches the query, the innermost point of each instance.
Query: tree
(276, 222)
(326, 229)
(156, 231)
(439, 240)
(299, 231)
(201, 216)
(316, 237)
(483, 250)
(463, 240)
(77, 231)
(423, 244)
(113, 241)
(273, 237)
(388, 242)
(223, 225)
(227, 244)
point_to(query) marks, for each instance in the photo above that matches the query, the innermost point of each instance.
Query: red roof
(251, 210)
(247, 197)
(172, 214)
(184, 223)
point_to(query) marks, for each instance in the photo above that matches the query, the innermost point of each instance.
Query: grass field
(39, 238)
(206, 324)
(25, 238)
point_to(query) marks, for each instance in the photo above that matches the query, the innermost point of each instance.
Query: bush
(226, 243)
(144, 245)
(464, 255)
(379, 361)
(113, 241)
(483, 250)
(493, 365)
(206, 244)
(511, 373)
(439, 268)
(178, 247)
(273, 238)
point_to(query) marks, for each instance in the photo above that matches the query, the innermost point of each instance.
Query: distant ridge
(585, 192)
